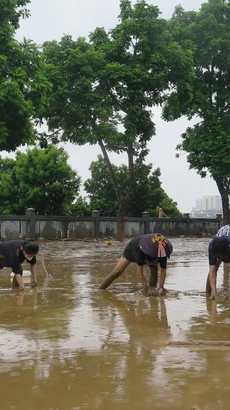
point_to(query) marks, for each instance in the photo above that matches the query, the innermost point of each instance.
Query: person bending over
(13, 254)
(149, 249)
(218, 251)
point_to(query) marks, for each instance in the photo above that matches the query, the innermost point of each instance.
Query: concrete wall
(53, 227)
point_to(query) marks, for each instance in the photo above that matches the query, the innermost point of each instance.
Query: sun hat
(156, 245)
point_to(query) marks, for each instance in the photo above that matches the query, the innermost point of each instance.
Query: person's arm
(33, 269)
(17, 270)
(212, 279)
(141, 277)
(19, 280)
(160, 288)
(163, 277)
(163, 265)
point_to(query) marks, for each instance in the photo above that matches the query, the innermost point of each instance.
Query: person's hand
(152, 291)
(34, 283)
(160, 291)
(213, 296)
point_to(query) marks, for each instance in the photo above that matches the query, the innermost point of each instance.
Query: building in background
(211, 202)
(207, 207)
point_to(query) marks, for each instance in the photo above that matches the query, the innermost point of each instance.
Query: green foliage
(206, 143)
(100, 189)
(78, 106)
(8, 195)
(11, 12)
(103, 91)
(170, 207)
(22, 82)
(80, 207)
(41, 179)
(148, 192)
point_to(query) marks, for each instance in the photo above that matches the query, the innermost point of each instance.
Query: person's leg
(14, 283)
(153, 276)
(116, 272)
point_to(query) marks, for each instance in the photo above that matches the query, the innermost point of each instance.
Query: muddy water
(67, 346)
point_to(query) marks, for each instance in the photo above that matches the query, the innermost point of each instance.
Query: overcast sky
(49, 20)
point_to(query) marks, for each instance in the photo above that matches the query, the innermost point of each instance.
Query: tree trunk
(224, 193)
(226, 211)
(121, 224)
(125, 201)
(122, 201)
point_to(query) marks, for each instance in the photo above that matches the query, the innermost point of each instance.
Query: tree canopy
(39, 178)
(103, 90)
(22, 83)
(148, 191)
(207, 143)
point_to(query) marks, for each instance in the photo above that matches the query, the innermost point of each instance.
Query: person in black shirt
(149, 249)
(218, 252)
(13, 254)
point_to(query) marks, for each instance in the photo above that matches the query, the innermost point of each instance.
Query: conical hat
(156, 245)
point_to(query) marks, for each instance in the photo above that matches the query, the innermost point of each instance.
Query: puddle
(66, 345)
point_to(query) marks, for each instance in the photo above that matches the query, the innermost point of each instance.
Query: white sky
(49, 20)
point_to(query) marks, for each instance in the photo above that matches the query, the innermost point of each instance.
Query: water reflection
(67, 346)
(137, 317)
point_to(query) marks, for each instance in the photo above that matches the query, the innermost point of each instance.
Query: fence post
(96, 216)
(187, 217)
(145, 216)
(30, 223)
(64, 229)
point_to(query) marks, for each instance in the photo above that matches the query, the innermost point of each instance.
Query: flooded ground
(65, 345)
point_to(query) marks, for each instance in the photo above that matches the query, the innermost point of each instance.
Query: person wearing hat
(149, 249)
(13, 253)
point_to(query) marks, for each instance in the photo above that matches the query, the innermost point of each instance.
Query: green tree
(41, 179)
(8, 191)
(22, 83)
(148, 191)
(103, 90)
(206, 143)
(81, 207)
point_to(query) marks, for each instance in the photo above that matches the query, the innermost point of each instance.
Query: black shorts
(162, 262)
(127, 255)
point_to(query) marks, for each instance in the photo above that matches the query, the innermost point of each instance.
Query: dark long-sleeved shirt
(12, 256)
